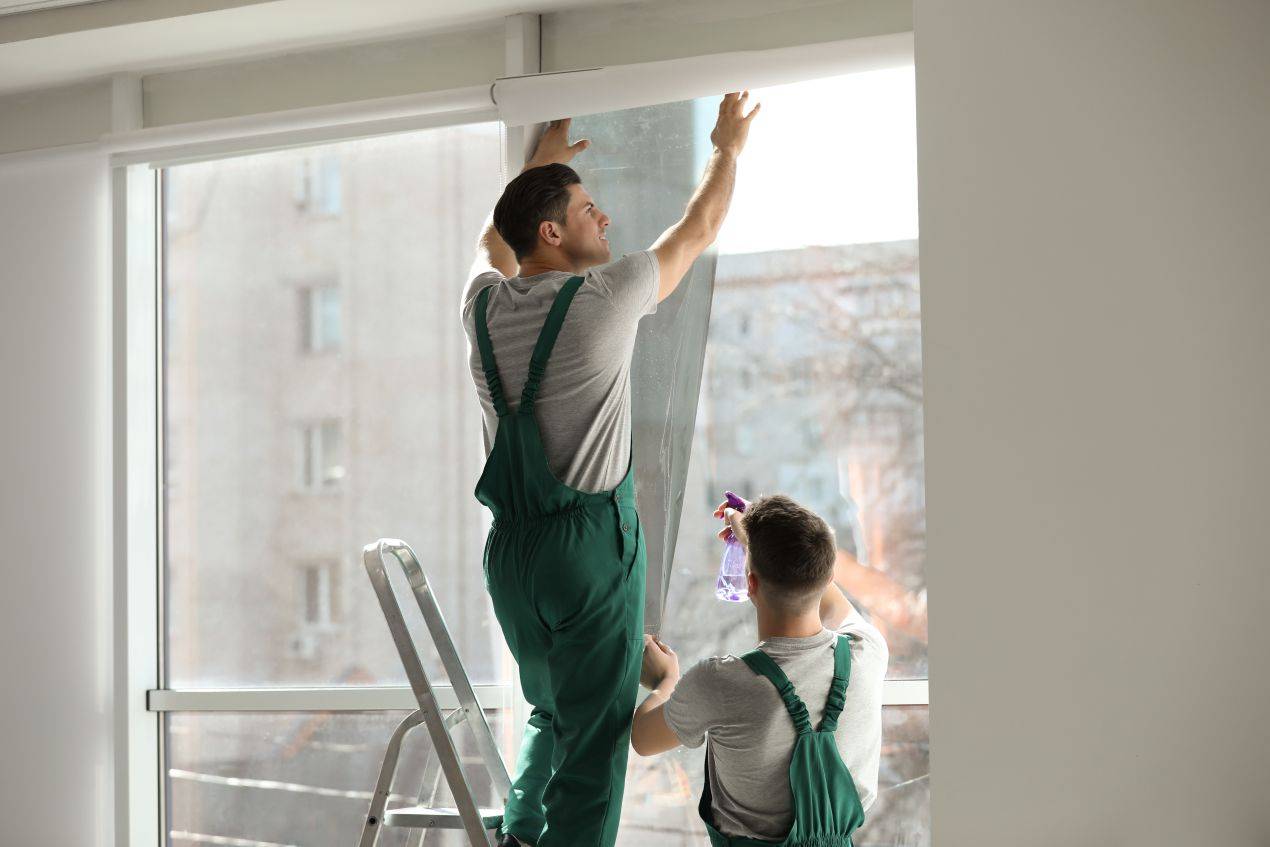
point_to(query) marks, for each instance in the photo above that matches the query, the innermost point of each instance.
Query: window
(320, 320)
(318, 187)
(277, 469)
(317, 589)
(816, 303)
(322, 455)
(820, 300)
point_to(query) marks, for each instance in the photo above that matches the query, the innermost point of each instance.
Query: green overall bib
(826, 806)
(565, 570)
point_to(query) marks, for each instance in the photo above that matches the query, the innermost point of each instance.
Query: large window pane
(810, 384)
(811, 381)
(317, 398)
(813, 388)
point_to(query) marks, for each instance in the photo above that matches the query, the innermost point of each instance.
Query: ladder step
(454, 718)
(422, 817)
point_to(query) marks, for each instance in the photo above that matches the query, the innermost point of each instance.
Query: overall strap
(838, 688)
(492, 379)
(546, 341)
(763, 665)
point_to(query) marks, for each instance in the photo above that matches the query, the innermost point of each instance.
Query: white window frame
(142, 695)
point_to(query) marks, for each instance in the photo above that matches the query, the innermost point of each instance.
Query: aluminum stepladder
(476, 822)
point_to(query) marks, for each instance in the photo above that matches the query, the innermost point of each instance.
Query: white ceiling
(13, 7)
(244, 31)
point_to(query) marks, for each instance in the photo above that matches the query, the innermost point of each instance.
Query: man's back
(583, 406)
(750, 732)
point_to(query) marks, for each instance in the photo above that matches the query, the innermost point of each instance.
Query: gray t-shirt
(751, 736)
(584, 402)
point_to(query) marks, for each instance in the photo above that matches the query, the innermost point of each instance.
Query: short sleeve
(870, 646)
(631, 283)
(474, 286)
(692, 709)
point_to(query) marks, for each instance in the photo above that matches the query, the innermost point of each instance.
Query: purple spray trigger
(734, 501)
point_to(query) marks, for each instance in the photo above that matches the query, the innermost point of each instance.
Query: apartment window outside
(318, 588)
(319, 186)
(322, 455)
(321, 323)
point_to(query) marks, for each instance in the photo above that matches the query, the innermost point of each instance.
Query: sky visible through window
(860, 155)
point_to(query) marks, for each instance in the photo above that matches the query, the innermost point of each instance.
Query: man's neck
(532, 266)
(771, 625)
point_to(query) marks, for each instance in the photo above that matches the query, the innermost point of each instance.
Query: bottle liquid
(730, 586)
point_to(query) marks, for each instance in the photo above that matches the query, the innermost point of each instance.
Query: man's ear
(550, 232)
(751, 583)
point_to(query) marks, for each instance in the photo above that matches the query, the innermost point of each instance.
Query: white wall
(55, 507)
(1095, 212)
(71, 114)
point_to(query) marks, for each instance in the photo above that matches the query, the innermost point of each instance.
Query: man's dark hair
(537, 195)
(791, 550)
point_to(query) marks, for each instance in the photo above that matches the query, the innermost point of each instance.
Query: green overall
(565, 570)
(826, 806)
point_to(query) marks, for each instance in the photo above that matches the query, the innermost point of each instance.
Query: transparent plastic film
(641, 169)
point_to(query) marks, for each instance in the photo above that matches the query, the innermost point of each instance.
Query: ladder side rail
(442, 743)
(454, 669)
(374, 822)
(473, 823)
(415, 673)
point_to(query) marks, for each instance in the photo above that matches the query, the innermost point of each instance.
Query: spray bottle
(731, 586)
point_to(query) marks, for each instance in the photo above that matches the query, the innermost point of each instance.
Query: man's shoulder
(726, 674)
(868, 645)
(709, 694)
(475, 285)
(623, 271)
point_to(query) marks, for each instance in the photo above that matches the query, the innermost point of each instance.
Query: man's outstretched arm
(650, 734)
(679, 246)
(492, 252)
(552, 148)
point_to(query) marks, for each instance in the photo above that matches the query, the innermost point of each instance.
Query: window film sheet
(641, 168)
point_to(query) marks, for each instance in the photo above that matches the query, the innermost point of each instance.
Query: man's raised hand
(733, 125)
(735, 528)
(553, 146)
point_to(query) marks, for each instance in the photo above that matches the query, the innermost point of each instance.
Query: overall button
(626, 527)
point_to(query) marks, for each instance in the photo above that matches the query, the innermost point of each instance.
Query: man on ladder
(565, 558)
